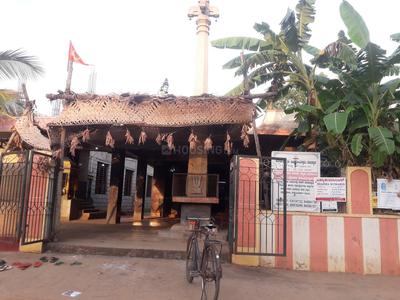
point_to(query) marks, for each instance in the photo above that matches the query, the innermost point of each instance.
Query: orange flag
(73, 56)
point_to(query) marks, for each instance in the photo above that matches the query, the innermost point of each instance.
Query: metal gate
(258, 206)
(27, 190)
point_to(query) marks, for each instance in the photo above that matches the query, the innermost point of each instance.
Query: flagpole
(69, 77)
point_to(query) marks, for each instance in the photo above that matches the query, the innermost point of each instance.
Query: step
(90, 210)
(100, 214)
(85, 206)
(59, 247)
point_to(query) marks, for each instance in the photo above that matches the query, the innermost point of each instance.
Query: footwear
(5, 268)
(53, 260)
(58, 263)
(2, 262)
(22, 266)
(44, 259)
(37, 264)
(76, 263)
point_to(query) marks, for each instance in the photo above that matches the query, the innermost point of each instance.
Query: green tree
(359, 114)
(16, 64)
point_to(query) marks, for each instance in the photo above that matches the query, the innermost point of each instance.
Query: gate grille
(27, 190)
(259, 202)
(12, 180)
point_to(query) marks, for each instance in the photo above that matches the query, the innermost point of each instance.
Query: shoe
(53, 259)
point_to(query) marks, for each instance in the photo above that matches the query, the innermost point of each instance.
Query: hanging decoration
(85, 135)
(192, 141)
(170, 141)
(244, 136)
(228, 144)
(142, 138)
(109, 140)
(18, 141)
(208, 143)
(56, 154)
(74, 145)
(160, 138)
(128, 137)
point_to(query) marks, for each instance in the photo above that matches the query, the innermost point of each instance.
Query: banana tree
(275, 59)
(361, 112)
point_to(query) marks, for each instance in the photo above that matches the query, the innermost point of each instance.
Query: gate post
(25, 197)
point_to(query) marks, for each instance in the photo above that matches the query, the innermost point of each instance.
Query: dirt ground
(105, 277)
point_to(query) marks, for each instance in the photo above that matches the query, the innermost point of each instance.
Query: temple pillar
(197, 164)
(116, 188)
(158, 190)
(140, 189)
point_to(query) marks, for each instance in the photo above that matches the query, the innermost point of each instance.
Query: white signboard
(388, 194)
(330, 189)
(302, 168)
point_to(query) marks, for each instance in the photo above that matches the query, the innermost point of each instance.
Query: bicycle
(208, 265)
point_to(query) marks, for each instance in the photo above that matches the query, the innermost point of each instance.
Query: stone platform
(151, 239)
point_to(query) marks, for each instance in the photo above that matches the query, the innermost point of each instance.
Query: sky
(135, 45)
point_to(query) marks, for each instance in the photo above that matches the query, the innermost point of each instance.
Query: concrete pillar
(203, 27)
(116, 188)
(140, 189)
(203, 11)
(359, 190)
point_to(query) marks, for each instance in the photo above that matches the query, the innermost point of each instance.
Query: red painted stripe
(318, 244)
(353, 245)
(285, 262)
(389, 247)
(360, 195)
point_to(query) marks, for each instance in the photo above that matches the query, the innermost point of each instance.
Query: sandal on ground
(5, 268)
(37, 264)
(53, 259)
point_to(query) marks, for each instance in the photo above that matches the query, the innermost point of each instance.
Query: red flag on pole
(73, 56)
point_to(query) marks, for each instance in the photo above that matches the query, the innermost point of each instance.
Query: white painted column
(371, 245)
(336, 254)
(301, 242)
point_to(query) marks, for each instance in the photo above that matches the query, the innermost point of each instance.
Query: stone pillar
(203, 11)
(203, 27)
(116, 188)
(198, 163)
(140, 189)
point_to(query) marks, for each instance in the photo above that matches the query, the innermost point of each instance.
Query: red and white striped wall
(340, 243)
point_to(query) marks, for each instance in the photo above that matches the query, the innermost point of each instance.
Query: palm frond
(241, 43)
(372, 63)
(18, 64)
(395, 37)
(257, 59)
(305, 16)
(289, 31)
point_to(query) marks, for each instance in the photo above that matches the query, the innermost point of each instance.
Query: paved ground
(104, 277)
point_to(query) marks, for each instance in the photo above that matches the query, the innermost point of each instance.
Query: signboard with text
(330, 189)
(302, 168)
(388, 194)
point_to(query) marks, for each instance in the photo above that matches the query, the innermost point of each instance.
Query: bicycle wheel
(191, 258)
(211, 272)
